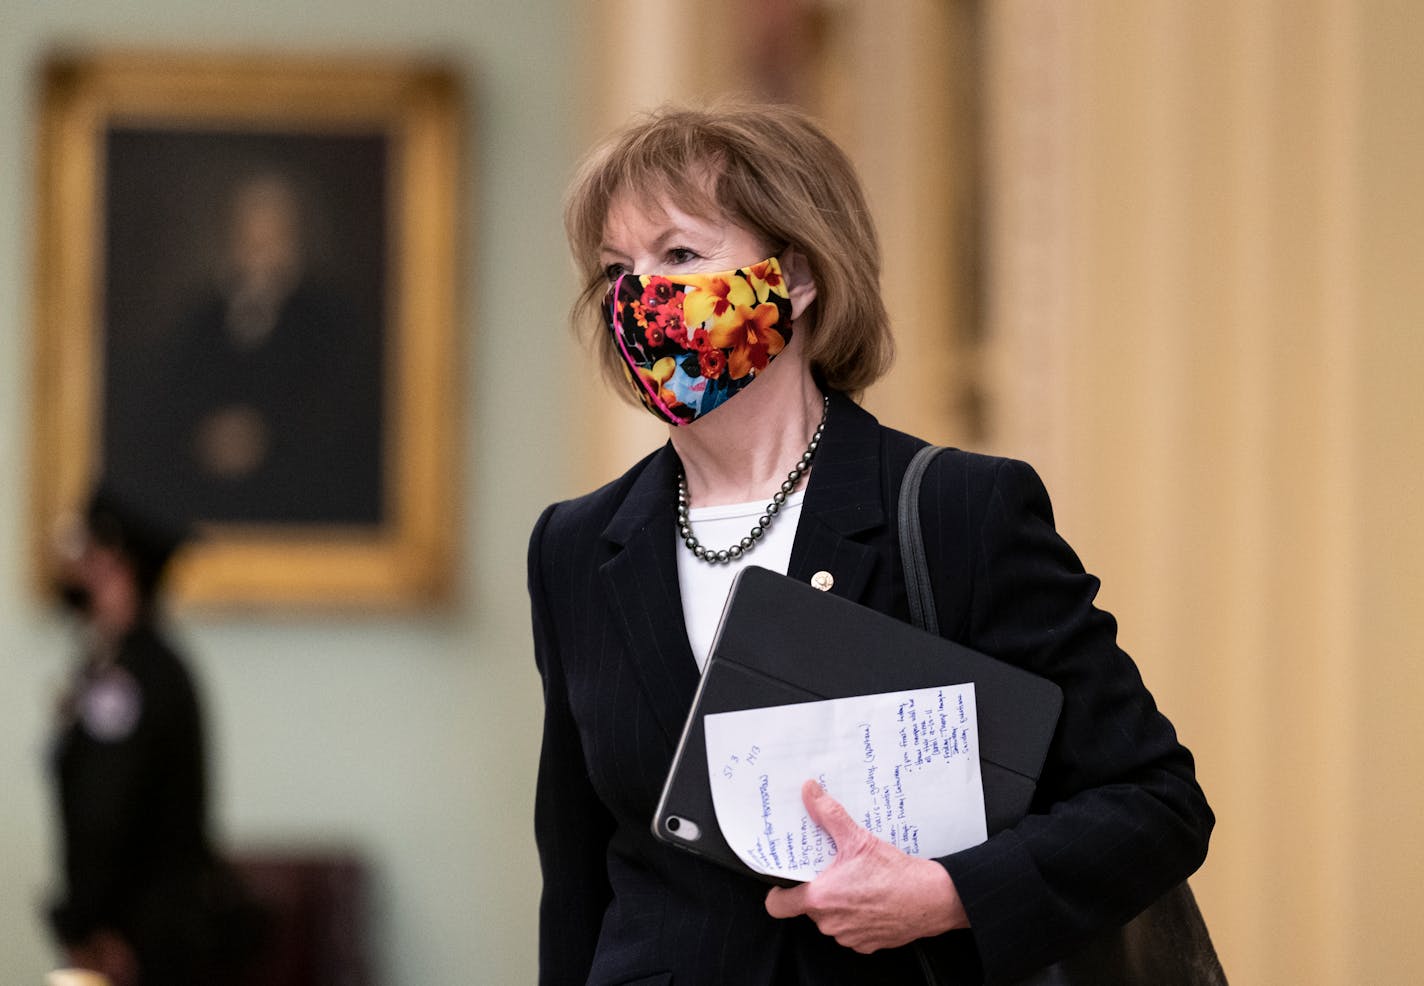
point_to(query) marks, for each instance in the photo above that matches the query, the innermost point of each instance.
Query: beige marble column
(1205, 305)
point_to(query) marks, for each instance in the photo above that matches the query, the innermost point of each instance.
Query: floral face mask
(692, 341)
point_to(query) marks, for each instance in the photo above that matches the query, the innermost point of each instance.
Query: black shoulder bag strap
(912, 543)
(917, 587)
(1166, 945)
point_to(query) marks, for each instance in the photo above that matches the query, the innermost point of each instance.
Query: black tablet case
(782, 642)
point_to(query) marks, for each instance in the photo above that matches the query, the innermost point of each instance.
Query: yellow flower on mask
(653, 380)
(766, 279)
(713, 297)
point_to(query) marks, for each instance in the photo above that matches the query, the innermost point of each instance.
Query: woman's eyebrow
(670, 234)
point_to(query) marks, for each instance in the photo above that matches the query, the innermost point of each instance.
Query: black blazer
(133, 806)
(1118, 817)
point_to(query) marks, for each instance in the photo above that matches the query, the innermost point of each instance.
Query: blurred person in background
(146, 900)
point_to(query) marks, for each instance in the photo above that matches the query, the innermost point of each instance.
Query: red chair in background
(316, 904)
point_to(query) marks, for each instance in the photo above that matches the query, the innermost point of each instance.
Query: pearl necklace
(778, 499)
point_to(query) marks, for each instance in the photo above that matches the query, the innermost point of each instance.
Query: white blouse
(705, 587)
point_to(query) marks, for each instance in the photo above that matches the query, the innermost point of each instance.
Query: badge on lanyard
(110, 706)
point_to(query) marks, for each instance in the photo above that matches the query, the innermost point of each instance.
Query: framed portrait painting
(246, 312)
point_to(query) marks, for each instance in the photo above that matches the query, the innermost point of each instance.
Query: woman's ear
(800, 284)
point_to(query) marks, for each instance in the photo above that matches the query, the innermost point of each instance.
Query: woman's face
(659, 238)
(693, 348)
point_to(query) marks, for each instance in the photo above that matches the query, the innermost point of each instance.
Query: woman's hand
(873, 896)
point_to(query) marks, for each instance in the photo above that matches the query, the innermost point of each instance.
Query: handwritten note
(904, 764)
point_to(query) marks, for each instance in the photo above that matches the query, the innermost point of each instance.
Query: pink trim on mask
(627, 358)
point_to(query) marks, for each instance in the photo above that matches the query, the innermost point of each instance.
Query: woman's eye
(680, 255)
(614, 271)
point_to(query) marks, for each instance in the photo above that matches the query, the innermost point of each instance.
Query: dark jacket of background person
(619, 678)
(137, 859)
(131, 800)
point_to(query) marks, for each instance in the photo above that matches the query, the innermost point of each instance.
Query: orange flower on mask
(714, 297)
(711, 362)
(749, 338)
(766, 279)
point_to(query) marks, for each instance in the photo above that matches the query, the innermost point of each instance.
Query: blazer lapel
(641, 581)
(843, 500)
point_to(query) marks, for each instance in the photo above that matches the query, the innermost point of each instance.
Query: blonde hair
(770, 170)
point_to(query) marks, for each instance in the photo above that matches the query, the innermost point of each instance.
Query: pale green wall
(412, 739)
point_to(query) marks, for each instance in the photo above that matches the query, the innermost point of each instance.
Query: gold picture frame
(374, 145)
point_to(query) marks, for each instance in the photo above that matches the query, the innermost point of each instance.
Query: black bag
(1167, 944)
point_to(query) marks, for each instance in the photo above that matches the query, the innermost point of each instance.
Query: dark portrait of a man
(244, 325)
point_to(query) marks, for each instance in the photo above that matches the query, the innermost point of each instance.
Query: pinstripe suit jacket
(1118, 817)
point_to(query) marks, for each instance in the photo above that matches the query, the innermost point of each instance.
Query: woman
(732, 260)
(147, 900)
